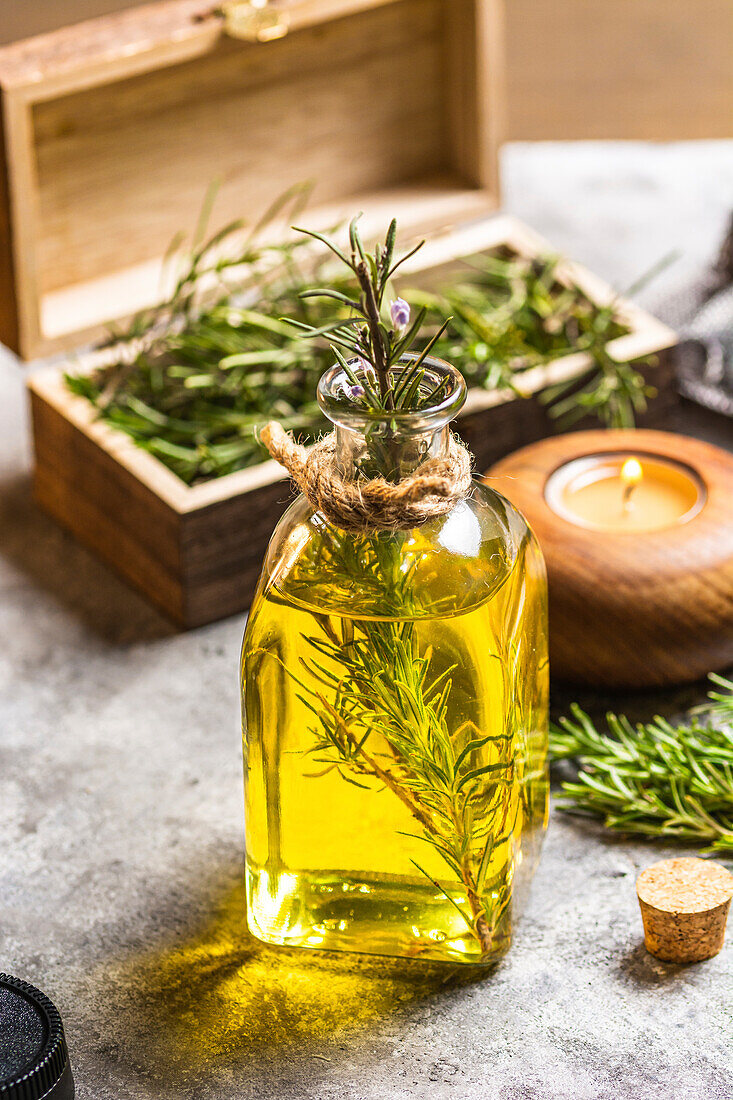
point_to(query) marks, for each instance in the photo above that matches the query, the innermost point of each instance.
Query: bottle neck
(376, 439)
(384, 451)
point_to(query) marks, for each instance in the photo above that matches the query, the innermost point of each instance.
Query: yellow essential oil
(395, 695)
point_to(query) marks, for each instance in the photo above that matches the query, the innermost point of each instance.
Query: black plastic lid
(34, 1059)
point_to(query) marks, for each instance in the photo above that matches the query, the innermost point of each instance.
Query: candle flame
(630, 477)
(631, 472)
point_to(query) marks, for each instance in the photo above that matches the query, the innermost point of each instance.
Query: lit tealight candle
(622, 492)
(636, 528)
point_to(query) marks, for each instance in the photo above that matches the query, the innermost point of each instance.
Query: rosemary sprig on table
(198, 375)
(655, 779)
(719, 705)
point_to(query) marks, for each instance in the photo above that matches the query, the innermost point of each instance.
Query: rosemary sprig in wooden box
(212, 372)
(180, 502)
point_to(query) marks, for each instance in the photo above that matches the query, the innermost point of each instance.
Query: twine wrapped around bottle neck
(375, 504)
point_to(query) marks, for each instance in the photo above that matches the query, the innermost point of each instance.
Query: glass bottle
(395, 704)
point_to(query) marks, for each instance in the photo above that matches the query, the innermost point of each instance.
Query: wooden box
(196, 551)
(112, 132)
(113, 129)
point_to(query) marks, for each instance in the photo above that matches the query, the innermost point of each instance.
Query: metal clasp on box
(254, 20)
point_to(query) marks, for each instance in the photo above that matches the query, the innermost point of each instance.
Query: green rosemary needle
(655, 779)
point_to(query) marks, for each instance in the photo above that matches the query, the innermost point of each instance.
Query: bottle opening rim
(336, 398)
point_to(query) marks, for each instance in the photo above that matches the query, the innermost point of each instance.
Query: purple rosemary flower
(359, 366)
(399, 311)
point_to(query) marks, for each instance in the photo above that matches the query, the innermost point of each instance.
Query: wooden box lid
(112, 130)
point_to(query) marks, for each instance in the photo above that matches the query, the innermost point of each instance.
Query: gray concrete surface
(121, 815)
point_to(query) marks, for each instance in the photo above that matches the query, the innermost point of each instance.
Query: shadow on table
(640, 968)
(223, 1001)
(37, 547)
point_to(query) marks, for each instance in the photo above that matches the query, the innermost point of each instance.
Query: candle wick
(630, 478)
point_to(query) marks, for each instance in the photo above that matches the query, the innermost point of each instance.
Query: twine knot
(374, 504)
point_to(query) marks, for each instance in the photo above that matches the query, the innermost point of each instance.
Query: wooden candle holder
(632, 609)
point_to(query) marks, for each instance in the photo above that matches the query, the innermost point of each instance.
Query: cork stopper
(684, 906)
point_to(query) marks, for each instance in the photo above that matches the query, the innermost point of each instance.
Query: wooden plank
(475, 47)
(659, 70)
(459, 29)
(21, 187)
(652, 69)
(49, 386)
(106, 508)
(490, 90)
(143, 39)
(223, 546)
(96, 472)
(110, 541)
(9, 318)
(19, 21)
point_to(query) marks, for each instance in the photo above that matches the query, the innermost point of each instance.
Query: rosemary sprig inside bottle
(374, 683)
(198, 375)
(363, 341)
(673, 782)
(366, 682)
